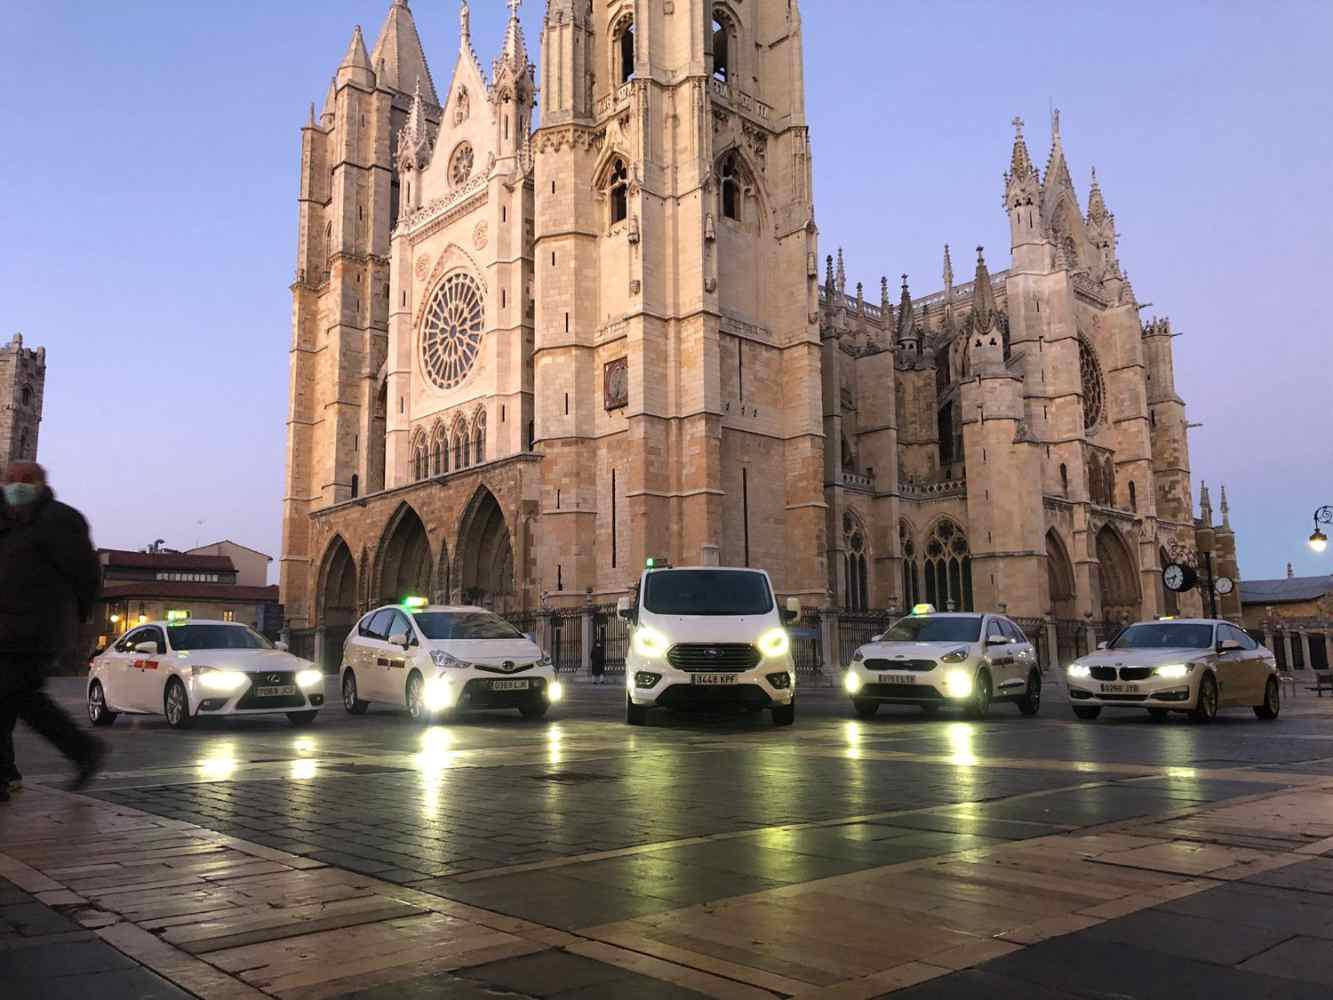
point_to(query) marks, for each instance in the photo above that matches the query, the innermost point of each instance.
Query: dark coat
(598, 659)
(49, 578)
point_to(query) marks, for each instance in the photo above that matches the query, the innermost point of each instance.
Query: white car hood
(912, 650)
(250, 661)
(709, 628)
(488, 651)
(1141, 657)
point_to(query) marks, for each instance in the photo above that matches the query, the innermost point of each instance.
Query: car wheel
(1030, 703)
(930, 711)
(98, 713)
(535, 709)
(635, 715)
(1269, 709)
(416, 700)
(353, 704)
(865, 709)
(784, 715)
(176, 705)
(1205, 709)
(1087, 712)
(301, 719)
(979, 706)
(1158, 714)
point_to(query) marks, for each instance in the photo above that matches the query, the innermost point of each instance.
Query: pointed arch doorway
(486, 555)
(405, 561)
(1119, 579)
(336, 609)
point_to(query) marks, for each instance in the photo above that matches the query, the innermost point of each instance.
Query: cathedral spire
(983, 296)
(1020, 162)
(829, 285)
(1096, 203)
(1205, 506)
(907, 333)
(1226, 509)
(885, 306)
(355, 66)
(842, 273)
(514, 53)
(416, 139)
(1058, 182)
(399, 55)
(948, 274)
(1101, 230)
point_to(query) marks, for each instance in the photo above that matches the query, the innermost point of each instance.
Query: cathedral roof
(399, 56)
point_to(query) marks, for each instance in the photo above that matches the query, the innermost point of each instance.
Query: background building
(251, 565)
(22, 387)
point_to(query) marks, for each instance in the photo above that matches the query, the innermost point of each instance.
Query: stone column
(1328, 651)
(1286, 639)
(1091, 633)
(1052, 646)
(542, 625)
(828, 626)
(589, 629)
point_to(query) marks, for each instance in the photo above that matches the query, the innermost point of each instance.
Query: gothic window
(722, 34)
(1094, 389)
(624, 49)
(1096, 489)
(436, 458)
(451, 336)
(460, 165)
(911, 572)
(458, 449)
(1108, 483)
(1064, 479)
(462, 106)
(27, 395)
(945, 429)
(731, 188)
(1133, 497)
(848, 456)
(941, 372)
(619, 192)
(948, 568)
(356, 485)
(855, 566)
(479, 439)
(23, 444)
(420, 468)
(467, 451)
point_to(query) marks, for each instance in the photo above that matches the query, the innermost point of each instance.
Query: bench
(1323, 681)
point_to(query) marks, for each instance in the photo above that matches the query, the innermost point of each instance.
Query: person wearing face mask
(49, 578)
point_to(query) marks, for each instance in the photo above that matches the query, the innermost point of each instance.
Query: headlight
(851, 682)
(958, 684)
(774, 643)
(220, 680)
(1079, 672)
(445, 661)
(555, 691)
(956, 655)
(438, 694)
(650, 644)
(310, 678)
(1172, 671)
(545, 661)
(858, 656)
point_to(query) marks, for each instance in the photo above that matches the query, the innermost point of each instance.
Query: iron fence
(567, 640)
(612, 632)
(807, 641)
(856, 628)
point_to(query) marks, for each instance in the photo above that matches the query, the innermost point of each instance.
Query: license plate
(285, 691)
(907, 679)
(714, 680)
(509, 685)
(1120, 689)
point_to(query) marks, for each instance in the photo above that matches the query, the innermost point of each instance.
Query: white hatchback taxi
(929, 659)
(435, 660)
(191, 669)
(1194, 665)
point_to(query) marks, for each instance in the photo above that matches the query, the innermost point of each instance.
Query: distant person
(49, 577)
(598, 659)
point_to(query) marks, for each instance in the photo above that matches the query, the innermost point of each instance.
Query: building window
(229, 616)
(451, 336)
(731, 188)
(1133, 497)
(948, 568)
(1094, 389)
(458, 449)
(911, 574)
(460, 165)
(420, 468)
(625, 50)
(855, 567)
(479, 438)
(27, 395)
(619, 193)
(1064, 479)
(356, 486)
(721, 46)
(436, 458)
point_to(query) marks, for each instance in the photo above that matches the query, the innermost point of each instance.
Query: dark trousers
(27, 701)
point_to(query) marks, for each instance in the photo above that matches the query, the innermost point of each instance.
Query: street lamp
(1319, 540)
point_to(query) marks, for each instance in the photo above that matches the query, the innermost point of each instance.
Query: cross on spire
(514, 5)
(1018, 124)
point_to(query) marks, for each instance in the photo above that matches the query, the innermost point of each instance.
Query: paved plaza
(716, 857)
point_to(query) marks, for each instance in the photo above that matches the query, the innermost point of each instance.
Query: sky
(148, 181)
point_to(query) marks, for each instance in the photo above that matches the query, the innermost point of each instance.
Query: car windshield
(216, 637)
(929, 628)
(1161, 635)
(708, 592)
(464, 625)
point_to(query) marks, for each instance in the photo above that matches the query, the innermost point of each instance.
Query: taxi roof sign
(178, 615)
(923, 609)
(415, 602)
(656, 562)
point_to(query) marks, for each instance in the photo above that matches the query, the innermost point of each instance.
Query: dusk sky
(150, 155)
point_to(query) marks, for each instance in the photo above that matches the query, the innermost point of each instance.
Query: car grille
(722, 657)
(491, 669)
(885, 666)
(250, 700)
(1104, 673)
(1124, 674)
(1122, 697)
(907, 692)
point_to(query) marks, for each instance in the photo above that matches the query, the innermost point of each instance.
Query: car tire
(534, 709)
(176, 705)
(1272, 705)
(930, 711)
(414, 695)
(1030, 703)
(351, 702)
(1205, 706)
(784, 715)
(1087, 712)
(635, 715)
(979, 706)
(302, 719)
(98, 713)
(865, 709)
(1159, 714)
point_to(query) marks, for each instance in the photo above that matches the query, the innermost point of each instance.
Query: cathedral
(553, 318)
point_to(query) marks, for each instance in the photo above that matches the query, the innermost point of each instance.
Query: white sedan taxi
(192, 669)
(930, 659)
(435, 660)
(1194, 665)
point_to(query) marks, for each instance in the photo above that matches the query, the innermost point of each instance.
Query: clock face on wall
(1176, 577)
(1224, 585)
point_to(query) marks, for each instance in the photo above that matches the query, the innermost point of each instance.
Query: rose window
(1094, 389)
(451, 336)
(460, 166)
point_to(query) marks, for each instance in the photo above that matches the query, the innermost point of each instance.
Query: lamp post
(1319, 540)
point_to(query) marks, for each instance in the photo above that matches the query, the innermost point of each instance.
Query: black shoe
(89, 766)
(4, 792)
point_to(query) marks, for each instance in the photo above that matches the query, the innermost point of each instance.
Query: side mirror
(877, 638)
(398, 639)
(1101, 645)
(998, 640)
(1229, 646)
(792, 612)
(146, 647)
(280, 646)
(625, 608)
(531, 637)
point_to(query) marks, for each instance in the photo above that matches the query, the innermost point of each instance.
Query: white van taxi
(192, 668)
(435, 660)
(708, 637)
(929, 659)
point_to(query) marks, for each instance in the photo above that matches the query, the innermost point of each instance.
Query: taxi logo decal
(144, 664)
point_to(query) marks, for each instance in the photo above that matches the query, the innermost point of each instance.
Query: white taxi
(191, 669)
(930, 659)
(1194, 665)
(434, 660)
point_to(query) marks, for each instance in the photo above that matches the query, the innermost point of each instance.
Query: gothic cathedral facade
(524, 360)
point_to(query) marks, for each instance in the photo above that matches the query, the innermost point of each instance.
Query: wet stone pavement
(701, 856)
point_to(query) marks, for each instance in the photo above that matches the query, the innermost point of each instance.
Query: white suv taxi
(435, 660)
(931, 659)
(708, 637)
(1194, 665)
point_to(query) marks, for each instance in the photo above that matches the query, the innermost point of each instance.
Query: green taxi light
(924, 609)
(656, 562)
(415, 602)
(178, 615)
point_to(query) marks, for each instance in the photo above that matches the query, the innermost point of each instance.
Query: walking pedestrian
(49, 577)
(598, 658)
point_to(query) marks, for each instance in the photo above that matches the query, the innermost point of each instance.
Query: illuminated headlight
(220, 680)
(956, 655)
(555, 691)
(958, 684)
(858, 656)
(650, 644)
(852, 683)
(310, 678)
(446, 661)
(438, 694)
(545, 661)
(1172, 671)
(774, 643)
(1079, 672)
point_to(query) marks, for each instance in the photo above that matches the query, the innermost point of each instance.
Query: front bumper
(1153, 692)
(476, 689)
(772, 682)
(249, 701)
(946, 684)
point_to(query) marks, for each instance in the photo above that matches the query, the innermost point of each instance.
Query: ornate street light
(1319, 540)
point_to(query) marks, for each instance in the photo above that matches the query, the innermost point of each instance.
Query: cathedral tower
(22, 387)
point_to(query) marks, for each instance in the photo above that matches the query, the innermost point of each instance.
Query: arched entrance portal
(485, 555)
(405, 558)
(337, 605)
(1060, 577)
(1120, 578)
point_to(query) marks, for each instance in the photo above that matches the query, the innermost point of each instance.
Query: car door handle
(382, 661)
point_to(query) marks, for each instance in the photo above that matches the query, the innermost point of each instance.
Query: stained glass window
(451, 336)
(460, 165)
(1094, 389)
